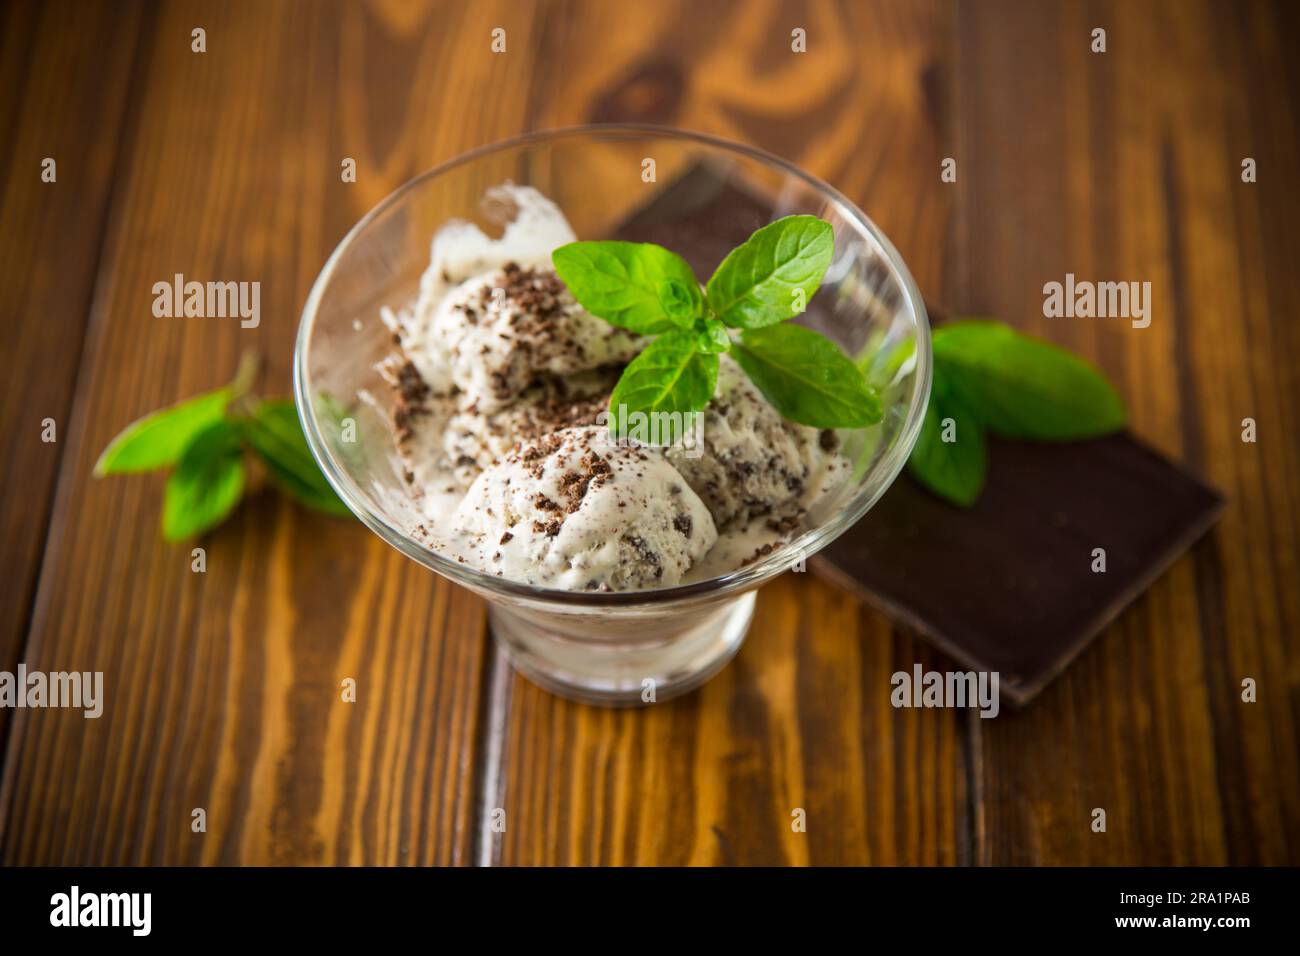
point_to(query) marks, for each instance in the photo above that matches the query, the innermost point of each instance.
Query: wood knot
(649, 93)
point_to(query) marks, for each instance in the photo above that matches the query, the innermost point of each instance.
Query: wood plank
(1125, 165)
(801, 719)
(63, 94)
(223, 688)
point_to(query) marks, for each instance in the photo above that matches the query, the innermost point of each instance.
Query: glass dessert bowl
(698, 196)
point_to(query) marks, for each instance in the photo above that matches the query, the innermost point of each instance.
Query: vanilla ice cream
(474, 439)
(503, 329)
(501, 381)
(574, 510)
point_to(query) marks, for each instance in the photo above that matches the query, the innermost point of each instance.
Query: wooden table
(223, 687)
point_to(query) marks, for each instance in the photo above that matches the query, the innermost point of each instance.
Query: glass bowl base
(647, 664)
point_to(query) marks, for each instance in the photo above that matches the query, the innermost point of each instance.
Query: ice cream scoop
(572, 509)
(475, 439)
(500, 330)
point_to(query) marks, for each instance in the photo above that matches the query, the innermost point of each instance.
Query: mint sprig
(760, 284)
(207, 439)
(991, 380)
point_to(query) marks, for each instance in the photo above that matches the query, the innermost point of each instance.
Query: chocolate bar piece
(1009, 584)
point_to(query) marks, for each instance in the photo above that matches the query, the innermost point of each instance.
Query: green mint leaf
(670, 376)
(771, 275)
(711, 336)
(207, 483)
(1025, 388)
(807, 378)
(635, 285)
(275, 433)
(157, 440)
(950, 459)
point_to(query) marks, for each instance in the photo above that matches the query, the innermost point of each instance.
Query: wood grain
(1126, 165)
(63, 96)
(798, 722)
(801, 719)
(223, 688)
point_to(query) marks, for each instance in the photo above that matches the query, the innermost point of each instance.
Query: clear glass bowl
(625, 647)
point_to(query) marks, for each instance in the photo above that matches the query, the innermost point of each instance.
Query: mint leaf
(158, 439)
(711, 336)
(671, 375)
(275, 433)
(807, 378)
(1021, 387)
(953, 470)
(207, 483)
(635, 285)
(771, 276)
